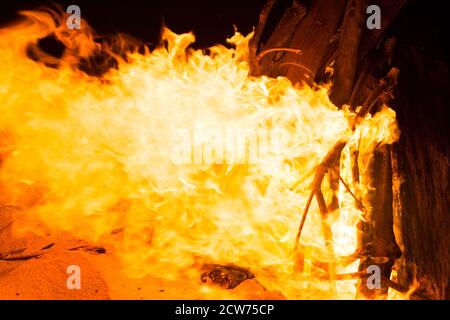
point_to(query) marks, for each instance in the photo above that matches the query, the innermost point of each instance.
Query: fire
(97, 157)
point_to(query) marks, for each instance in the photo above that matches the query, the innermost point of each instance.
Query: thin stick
(316, 184)
(328, 236)
(300, 181)
(262, 54)
(22, 257)
(295, 64)
(350, 191)
(327, 163)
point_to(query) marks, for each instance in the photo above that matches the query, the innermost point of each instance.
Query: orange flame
(91, 156)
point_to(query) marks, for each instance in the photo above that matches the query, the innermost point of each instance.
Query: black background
(301, 310)
(212, 21)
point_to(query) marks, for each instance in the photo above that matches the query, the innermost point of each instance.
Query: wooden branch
(328, 236)
(327, 163)
(334, 186)
(298, 65)
(359, 204)
(316, 184)
(385, 86)
(263, 53)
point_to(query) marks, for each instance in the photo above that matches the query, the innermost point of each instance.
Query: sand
(42, 272)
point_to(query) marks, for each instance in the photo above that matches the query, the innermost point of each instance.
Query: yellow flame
(92, 156)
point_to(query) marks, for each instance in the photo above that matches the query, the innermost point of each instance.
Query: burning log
(378, 242)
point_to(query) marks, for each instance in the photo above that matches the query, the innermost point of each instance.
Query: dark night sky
(211, 20)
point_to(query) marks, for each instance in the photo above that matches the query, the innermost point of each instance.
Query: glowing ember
(120, 160)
